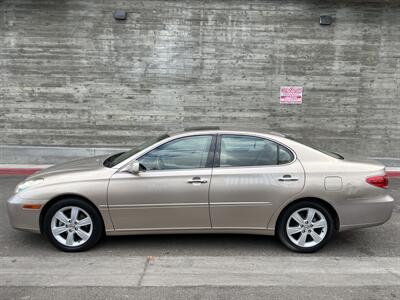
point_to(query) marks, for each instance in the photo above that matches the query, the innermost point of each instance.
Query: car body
(209, 181)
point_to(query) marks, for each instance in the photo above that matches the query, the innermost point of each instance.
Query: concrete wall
(73, 76)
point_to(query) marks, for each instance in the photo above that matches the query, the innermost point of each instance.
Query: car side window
(183, 153)
(238, 151)
(284, 155)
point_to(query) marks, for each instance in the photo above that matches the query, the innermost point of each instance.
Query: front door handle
(288, 178)
(197, 180)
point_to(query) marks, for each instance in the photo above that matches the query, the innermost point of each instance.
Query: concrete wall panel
(73, 76)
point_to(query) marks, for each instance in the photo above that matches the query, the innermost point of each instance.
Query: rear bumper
(361, 212)
(21, 218)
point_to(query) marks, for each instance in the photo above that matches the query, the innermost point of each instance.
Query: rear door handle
(288, 178)
(197, 180)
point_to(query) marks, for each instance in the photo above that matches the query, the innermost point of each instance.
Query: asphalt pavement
(359, 264)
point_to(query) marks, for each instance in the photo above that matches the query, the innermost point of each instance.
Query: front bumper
(359, 213)
(22, 218)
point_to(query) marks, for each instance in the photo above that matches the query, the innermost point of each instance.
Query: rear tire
(305, 226)
(73, 225)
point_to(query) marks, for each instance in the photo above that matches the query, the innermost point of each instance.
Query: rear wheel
(73, 225)
(305, 226)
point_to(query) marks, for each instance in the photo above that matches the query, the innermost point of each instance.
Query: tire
(302, 235)
(70, 236)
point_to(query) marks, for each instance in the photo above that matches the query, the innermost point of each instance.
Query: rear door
(252, 177)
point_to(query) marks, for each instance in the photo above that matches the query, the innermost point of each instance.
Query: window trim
(218, 151)
(210, 153)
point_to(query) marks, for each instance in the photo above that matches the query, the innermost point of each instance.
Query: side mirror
(133, 167)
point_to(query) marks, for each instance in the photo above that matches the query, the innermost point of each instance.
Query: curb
(21, 169)
(31, 169)
(7, 171)
(393, 173)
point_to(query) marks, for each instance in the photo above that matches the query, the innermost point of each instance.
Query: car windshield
(117, 158)
(332, 154)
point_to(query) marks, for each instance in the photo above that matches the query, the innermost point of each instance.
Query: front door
(171, 194)
(252, 177)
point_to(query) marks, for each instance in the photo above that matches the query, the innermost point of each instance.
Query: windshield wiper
(108, 162)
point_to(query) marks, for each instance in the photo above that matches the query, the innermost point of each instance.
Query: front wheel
(73, 225)
(305, 226)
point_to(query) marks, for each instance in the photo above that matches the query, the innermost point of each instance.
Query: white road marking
(199, 271)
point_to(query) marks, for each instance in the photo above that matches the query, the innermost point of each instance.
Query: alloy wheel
(71, 226)
(306, 227)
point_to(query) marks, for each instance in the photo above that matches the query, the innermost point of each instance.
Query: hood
(84, 164)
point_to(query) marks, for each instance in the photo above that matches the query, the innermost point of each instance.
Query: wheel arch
(49, 203)
(320, 201)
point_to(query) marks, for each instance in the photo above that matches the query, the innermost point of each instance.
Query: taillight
(379, 181)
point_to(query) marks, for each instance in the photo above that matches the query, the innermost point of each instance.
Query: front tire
(73, 225)
(305, 226)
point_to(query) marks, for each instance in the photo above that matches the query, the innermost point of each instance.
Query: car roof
(215, 129)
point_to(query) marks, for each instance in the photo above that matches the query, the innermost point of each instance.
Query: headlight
(27, 184)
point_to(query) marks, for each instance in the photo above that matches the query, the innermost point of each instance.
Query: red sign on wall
(291, 95)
